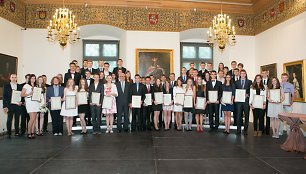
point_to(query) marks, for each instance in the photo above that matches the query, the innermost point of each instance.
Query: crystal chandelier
(63, 28)
(221, 31)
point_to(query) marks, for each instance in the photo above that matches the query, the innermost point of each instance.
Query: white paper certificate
(56, 103)
(240, 95)
(107, 102)
(167, 99)
(148, 99)
(200, 103)
(36, 94)
(136, 101)
(258, 101)
(70, 102)
(179, 99)
(159, 97)
(213, 96)
(188, 102)
(275, 95)
(287, 101)
(227, 97)
(95, 98)
(82, 98)
(184, 86)
(16, 97)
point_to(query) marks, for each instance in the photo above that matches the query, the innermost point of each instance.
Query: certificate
(213, 96)
(95, 98)
(56, 103)
(184, 86)
(200, 103)
(275, 95)
(240, 95)
(287, 101)
(136, 101)
(159, 97)
(148, 100)
(36, 94)
(82, 98)
(16, 97)
(70, 102)
(179, 98)
(188, 102)
(227, 97)
(107, 102)
(258, 101)
(167, 99)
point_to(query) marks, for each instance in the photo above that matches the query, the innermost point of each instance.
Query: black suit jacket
(50, 93)
(116, 69)
(247, 86)
(172, 86)
(234, 80)
(202, 73)
(91, 81)
(217, 87)
(7, 95)
(186, 78)
(123, 97)
(141, 91)
(77, 78)
(100, 89)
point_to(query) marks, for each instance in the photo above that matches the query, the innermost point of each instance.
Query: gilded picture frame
(296, 72)
(154, 62)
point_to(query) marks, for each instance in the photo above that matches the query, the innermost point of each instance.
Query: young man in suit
(72, 74)
(265, 82)
(88, 78)
(12, 110)
(96, 109)
(46, 115)
(90, 68)
(106, 69)
(184, 76)
(233, 66)
(243, 107)
(137, 89)
(147, 109)
(213, 108)
(172, 84)
(119, 67)
(84, 67)
(55, 90)
(24, 114)
(122, 100)
(191, 66)
(203, 70)
(101, 65)
(209, 67)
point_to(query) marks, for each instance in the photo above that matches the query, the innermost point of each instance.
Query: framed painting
(270, 68)
(8, 66)
(296, 72)
(154, 62)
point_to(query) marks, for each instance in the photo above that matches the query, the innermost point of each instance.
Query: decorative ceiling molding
(13, 11)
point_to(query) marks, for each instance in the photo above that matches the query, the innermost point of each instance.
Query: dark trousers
(14, 111)
(137, 120)
(235, 115)
(243, 108)
(46, 121)
(213, 110)
(123, 110)
(160, 122)
(96, 117)
(147, 112)
(258, 115)
(267, 129)
(57, 121)
(24, 119)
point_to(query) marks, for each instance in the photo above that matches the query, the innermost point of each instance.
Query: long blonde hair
(73, 84)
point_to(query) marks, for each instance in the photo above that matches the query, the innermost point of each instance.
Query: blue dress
(228, 107)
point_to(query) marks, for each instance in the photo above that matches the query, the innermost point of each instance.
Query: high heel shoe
(29, 136)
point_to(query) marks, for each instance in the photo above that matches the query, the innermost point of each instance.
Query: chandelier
(63, 28)
(222, 31)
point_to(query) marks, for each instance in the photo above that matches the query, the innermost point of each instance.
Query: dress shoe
(118, 131)
(238, 133)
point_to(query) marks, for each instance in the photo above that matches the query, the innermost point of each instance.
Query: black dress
(228, 107)
(199, 93)
(158, 107)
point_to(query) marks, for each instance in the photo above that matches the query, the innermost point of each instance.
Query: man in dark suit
(137, 89)
(72, 75)
(191, 66)
(203, 70)
(12, 110)
(233, 67)
(119, 67)
(106, 69)
(90, 68)
(46, 115)
(95, 109)
(123, 89)
(265, 81)
(184, 76)
(213, 108)
(55, 90)
(100, 65)
(147, 109)
(88, 78)
(235, 77)
(24, 114)
(243, 107)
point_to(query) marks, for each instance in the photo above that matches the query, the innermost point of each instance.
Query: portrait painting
(154, 62)
(270, 68)
(8, 66)
(296, 73)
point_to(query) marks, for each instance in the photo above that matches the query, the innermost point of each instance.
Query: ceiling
(229, 6)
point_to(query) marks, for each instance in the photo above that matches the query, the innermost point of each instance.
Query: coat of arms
(12, 6)
(272, 12)
(1, 2)
(281, 6)
(42, 14)
(240, 22)
(153, 19)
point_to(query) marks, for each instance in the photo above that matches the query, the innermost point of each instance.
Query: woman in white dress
(274, 107)
(69, 113)
(167, 109)
(42, 108)
(188, 111)
(31, 106)
(177, 108)
(110, 90)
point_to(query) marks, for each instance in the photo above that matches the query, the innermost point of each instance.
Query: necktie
(122, 86)
(148, 87)
(137, 84)
(242, 84)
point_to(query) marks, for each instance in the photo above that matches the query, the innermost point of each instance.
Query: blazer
(100, 89)
(217, 87)
(115, 71)
(202, 73)
(247, 86)
(123, 98)
(7, 95)
(172, 86)
(141, 91)
(91, 81)
(184, 81)
(77, 78)
(50, 93)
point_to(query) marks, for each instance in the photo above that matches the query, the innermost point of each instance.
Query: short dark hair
(96, 74)
(172, 74)
(85, 60)
(106, 63)
(209, 63)
(236, 69)
(213, 71)
(43, 75)
(240, 64)
(191, 63)
(203, 63)
(120, 59)
(27, 75)
(243, 70)
(148, 77)
(284, 74)
(71, 63)
(233, 62)
(220, 71)
(137, 75)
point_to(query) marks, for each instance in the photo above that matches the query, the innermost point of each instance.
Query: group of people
(119, 87)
